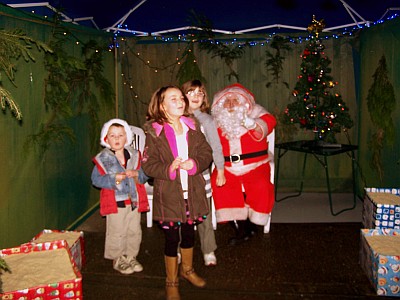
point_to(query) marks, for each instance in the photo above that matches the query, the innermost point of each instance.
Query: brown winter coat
(168, 201)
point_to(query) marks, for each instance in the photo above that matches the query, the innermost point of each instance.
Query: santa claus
(248, 195)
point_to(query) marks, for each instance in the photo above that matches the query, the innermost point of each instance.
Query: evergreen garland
(381, 103)
(274, 62)
(3, 268)
(189, 69)
(69, 92)
(13, 45)
(274, 65)
(228, 52)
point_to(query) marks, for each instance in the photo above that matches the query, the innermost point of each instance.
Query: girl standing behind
(199, 106)
(175, 155)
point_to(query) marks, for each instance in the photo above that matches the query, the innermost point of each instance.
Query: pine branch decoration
(189, 69)
(381, 102)
(13, 45)
(69, 92)
(208, 42)
(3, 267)
(274, 62)
(6, 100)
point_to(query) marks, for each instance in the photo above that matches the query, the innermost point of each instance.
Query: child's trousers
(206, 234)
(123, 233)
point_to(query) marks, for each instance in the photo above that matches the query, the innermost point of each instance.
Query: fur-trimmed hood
(107, 126)
(240, 91)
(154, 128)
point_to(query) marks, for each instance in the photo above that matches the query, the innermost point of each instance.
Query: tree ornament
(315, 27)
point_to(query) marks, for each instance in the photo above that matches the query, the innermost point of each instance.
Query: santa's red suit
(248, 192)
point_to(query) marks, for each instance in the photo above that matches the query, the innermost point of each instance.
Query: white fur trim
(240, 91)
(232, 213)
(258, 218)
(107, 125)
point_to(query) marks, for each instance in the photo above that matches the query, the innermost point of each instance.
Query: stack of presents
(380, 240)
(46, 268)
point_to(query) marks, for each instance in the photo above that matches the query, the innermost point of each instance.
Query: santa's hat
(243, 95)
(107, 126)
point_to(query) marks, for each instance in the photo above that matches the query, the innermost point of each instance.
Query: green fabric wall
(383, 39)
(54, 190)
(149, 66)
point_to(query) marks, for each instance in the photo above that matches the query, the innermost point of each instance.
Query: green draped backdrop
(142, 80)
(54, 191)
(375, 42)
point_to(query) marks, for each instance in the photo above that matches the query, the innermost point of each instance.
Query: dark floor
(293, 261)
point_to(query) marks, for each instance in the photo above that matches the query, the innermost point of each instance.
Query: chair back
(271, 152)
(138, 138)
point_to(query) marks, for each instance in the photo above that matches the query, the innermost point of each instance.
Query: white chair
(271, 150)
(138, 143)
(138, 138)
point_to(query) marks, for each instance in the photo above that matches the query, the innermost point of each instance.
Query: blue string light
(261, 41)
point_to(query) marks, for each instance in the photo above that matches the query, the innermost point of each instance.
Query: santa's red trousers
(246, 196)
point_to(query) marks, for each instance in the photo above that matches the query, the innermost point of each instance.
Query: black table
(321, 151)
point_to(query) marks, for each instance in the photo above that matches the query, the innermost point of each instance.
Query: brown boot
(187, 271)
(172, 281)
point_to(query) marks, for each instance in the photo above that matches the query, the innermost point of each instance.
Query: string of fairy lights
(126, 78)
(186, 39)
(122, 36)
(261, 41)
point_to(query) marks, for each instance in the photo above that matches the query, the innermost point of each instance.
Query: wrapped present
(380, 259)
(74, 239)
(43, 271)
(381, 208)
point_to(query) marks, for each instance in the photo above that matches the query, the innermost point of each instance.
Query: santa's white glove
(249, 123)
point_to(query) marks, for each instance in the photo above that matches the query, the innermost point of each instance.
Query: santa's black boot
(250, 228)
(240, 233)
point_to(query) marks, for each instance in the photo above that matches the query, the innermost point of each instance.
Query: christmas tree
(316, 107)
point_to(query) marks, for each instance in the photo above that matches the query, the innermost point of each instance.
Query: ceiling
(228, 16)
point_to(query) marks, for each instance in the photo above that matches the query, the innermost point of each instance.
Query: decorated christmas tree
(316, 106)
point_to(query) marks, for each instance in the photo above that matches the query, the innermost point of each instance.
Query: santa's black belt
(235, 158)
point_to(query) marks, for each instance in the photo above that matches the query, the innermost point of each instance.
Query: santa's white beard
(230, 122)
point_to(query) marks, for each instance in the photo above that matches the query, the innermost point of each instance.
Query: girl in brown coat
(175, 155)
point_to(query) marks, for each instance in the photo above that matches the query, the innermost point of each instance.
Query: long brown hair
(191, 85)
(155, 112)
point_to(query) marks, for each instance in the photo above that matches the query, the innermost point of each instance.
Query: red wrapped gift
(73, 238)
(43, 271)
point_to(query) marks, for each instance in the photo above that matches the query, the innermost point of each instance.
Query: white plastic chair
(138, 143)
(271, 150)
(138, 138)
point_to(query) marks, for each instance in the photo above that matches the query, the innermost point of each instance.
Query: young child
(175, 155)
(118, 173)
(199, 106)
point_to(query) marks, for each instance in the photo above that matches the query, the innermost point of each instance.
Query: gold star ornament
(316, 26)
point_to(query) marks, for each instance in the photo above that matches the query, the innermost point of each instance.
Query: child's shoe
(135, 265)
(210, 259)
(122, 265)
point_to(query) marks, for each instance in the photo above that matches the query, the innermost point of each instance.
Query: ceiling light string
(293, 38)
